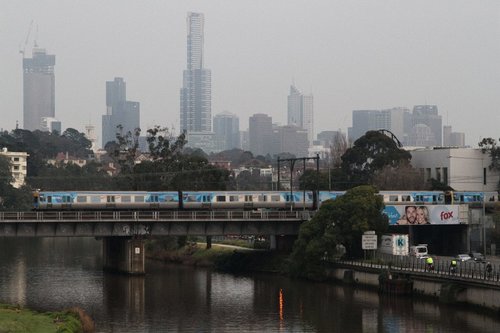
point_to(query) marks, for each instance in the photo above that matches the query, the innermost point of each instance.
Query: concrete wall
(447, 290)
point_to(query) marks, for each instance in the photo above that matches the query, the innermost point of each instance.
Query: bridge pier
(282, 243)
(124, 255)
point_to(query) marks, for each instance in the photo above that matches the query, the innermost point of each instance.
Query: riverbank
(222, 257)
(15, 319)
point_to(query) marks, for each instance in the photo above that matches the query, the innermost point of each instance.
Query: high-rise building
(427, 115)
(260, 134)
(49, 124)
(368, 120)
(290, 139)
(227, 131)
(196, 91)
(38, 89)
(452, 139)
(119, 111)
(300, 111)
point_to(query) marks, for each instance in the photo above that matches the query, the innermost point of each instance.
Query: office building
(227, 131)
(52, 125)
(300, 111)
(18, 166)
(369, 120)
(196, 91)
(426, 126)
(119, 112)
(260, 134)
(38, 89)
(452, 139)
(290, 139)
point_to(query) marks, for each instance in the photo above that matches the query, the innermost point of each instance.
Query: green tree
(369, 154)
(339, 222)
(489, 146)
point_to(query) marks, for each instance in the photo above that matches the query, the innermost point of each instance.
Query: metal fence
(465, 271)
(152, 216)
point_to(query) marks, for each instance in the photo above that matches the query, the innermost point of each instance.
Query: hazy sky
(349, 54)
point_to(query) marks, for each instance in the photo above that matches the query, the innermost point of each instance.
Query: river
(57, 273)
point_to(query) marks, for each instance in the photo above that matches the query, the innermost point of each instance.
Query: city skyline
(349, 55)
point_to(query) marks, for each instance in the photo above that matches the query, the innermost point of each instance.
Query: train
(236, 200)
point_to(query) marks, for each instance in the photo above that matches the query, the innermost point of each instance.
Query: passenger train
(237, 200)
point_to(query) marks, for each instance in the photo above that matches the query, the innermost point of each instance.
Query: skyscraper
(119, 111)
(227, 131)
(196, 91)
(260, 134)
(38, 89)
(300, 111)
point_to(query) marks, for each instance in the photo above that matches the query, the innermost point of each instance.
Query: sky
(349, 54)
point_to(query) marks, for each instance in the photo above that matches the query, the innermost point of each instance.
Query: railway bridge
(123, 232)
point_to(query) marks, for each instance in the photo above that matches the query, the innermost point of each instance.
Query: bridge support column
(209, 242)
(124, 255)
(272, 242)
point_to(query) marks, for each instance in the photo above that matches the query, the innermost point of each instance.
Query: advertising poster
(422, 214)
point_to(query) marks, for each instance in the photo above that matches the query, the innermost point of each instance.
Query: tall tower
(196, 91)
(38, 89)
(300, 111)
(119, 111)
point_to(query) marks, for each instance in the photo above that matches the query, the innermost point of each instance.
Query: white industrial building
(464, 169)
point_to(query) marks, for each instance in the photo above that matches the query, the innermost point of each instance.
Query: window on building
(438, 174)
(445, 176)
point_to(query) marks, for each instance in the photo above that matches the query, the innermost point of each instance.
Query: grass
(14, 319)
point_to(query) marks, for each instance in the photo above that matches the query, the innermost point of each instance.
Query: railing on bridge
(465, 271)
(153, 216)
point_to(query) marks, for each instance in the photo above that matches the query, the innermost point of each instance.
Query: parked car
(477, 257)
(463, 257)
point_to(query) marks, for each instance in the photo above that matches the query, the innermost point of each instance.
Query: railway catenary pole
(292, 164)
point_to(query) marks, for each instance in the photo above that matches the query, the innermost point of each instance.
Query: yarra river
(57, 273)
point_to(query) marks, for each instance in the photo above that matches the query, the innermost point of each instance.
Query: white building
(464, 169)
(18, 166)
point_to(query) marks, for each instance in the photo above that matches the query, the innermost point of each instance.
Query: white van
(419, 251)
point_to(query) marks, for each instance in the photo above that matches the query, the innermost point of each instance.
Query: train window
(262, 198)
(66, 199)
(139, 198)
(95, 199)
(110, 198)
(169, 198)
(125, 198)
(81, 198)
(221, 198)
(275, 198)
(49, 199)
(248, 198)
(393, 198)
(405, 198)
(233, 198)
(153, 198)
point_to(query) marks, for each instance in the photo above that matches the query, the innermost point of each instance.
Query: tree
(338, 222)
(400, 177)
(370, 153)
(489, 146)
(163, 145)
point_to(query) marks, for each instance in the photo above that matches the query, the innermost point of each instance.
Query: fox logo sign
(446, 216)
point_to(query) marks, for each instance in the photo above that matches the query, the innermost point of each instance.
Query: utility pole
(292, 165)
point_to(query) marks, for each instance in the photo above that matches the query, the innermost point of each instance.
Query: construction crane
(21, 50)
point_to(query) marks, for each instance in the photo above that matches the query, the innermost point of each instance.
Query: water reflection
(52, 274)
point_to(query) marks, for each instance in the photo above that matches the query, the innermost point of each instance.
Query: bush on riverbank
(16, 319)
(221, 257)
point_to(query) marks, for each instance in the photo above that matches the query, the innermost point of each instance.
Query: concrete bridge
(123, 231)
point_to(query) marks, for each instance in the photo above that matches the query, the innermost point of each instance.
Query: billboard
(422, 214)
